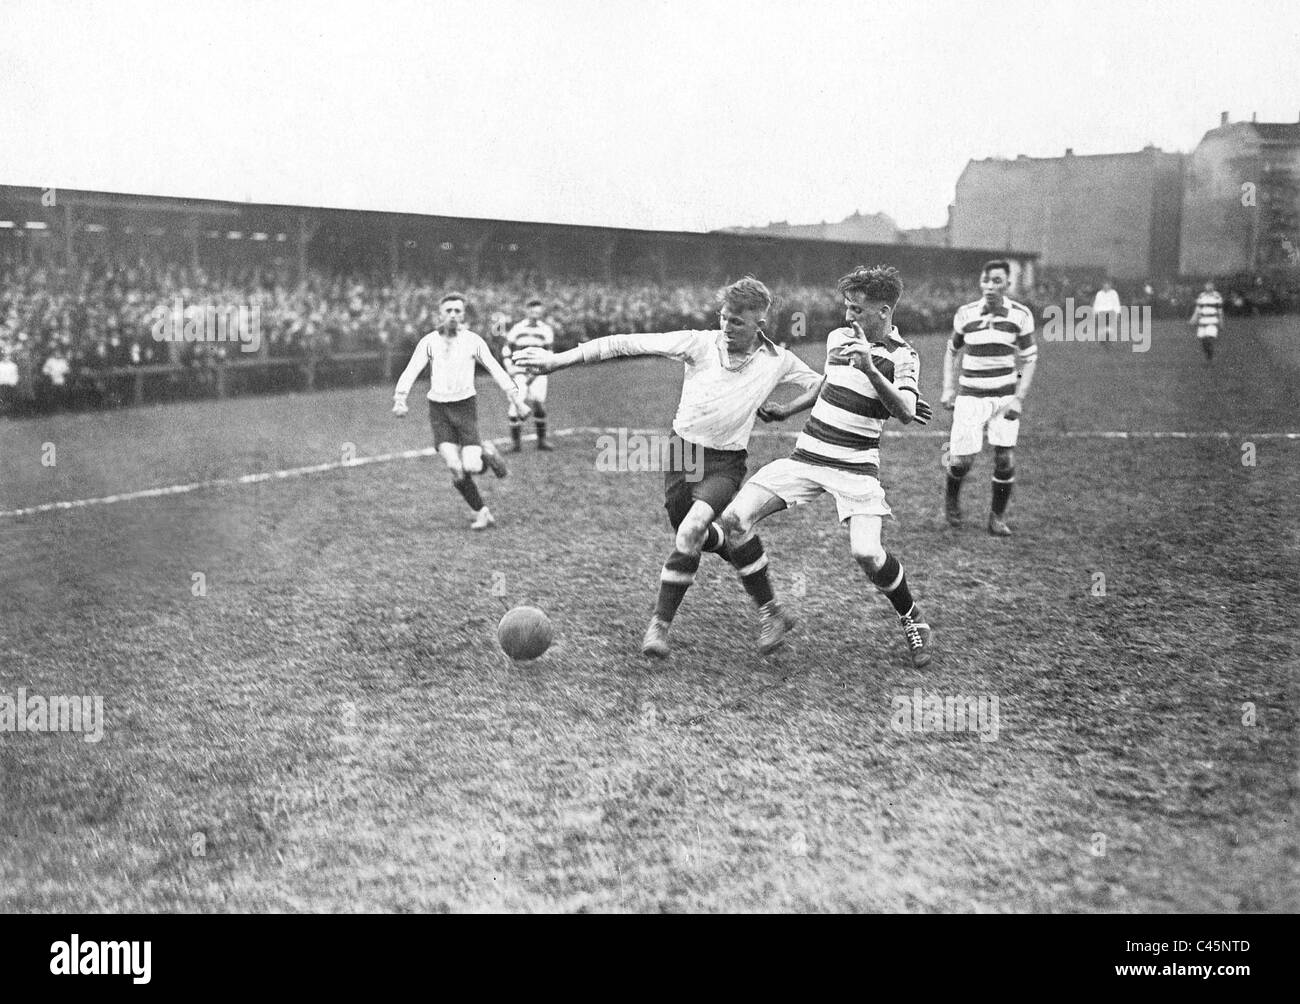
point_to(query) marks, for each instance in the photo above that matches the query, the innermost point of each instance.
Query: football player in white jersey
(452, 352)
(729, 373)
(997, 336)
(1208, 316)
(871, 376)
(530, 333)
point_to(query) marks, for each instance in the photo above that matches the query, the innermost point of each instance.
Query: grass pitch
(322, 721)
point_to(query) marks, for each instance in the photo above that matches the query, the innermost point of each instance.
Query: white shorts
(1207, 331)
(533, 388)
(796, 483)
(969, 417)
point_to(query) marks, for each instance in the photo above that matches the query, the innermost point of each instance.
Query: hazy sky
(620, 112)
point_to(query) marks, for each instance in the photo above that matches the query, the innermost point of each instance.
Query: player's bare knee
(961, 466)
(690, 536)
(1003, 459)
(871, 559)
(734, 529)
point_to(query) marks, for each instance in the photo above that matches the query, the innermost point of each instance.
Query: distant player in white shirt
(1208, 317)
(530, 333)
(997, 336)
(871, 376)
(1105, 311)
(452, 352)
(729, 374)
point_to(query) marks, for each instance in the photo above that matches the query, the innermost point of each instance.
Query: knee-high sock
(750, 560)
(675, 578)
(539, 420)
(1002, 483)
(469, 492)
(715, 541)
(891, 581)
(955, 475)
(516, 430)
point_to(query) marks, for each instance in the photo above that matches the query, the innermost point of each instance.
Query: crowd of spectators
(62, 330)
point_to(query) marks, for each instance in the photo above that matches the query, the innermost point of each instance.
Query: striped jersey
(451, 362)
(720, 396)
(997, 343)
(1209, 312)
(843, 430)
(527, 334)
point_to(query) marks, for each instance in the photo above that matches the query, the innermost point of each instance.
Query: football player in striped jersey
(1208, 315)
(531, 332)
(997, 335)
(871, 376)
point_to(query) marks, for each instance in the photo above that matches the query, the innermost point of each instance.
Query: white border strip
(589, 430)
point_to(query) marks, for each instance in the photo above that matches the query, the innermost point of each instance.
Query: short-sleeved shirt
(844, 428)
(997, 342)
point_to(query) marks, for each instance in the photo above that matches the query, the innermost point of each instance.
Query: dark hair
(452, 296)
(534, 302)
(1001, 263)
(746, 294)
(879, 284)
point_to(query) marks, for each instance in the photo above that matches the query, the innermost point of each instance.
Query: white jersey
(451, 361)
(720, 399)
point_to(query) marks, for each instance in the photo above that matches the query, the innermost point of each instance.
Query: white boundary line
(584, 430)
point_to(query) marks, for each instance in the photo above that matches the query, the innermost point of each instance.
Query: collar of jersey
(764, 344)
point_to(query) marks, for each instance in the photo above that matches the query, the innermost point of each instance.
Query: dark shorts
(714, 481)
(455, 422)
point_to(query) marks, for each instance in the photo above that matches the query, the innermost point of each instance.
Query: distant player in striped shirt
(530, 333)
(997, 335)
(452, 352)
(871, 376)
(729, 374)
(1208, 316)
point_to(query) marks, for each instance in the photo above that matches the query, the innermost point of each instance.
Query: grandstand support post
(387, 357)
(306, 231)
(608, 244)
(69, 255)
(476, 249)
(797, 266)
(221, 379)
(309, 372)
(137, 390)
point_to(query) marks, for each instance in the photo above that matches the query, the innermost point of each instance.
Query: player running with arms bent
(451, 352)
(729, 374)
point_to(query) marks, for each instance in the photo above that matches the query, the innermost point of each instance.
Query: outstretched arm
(681, 345)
